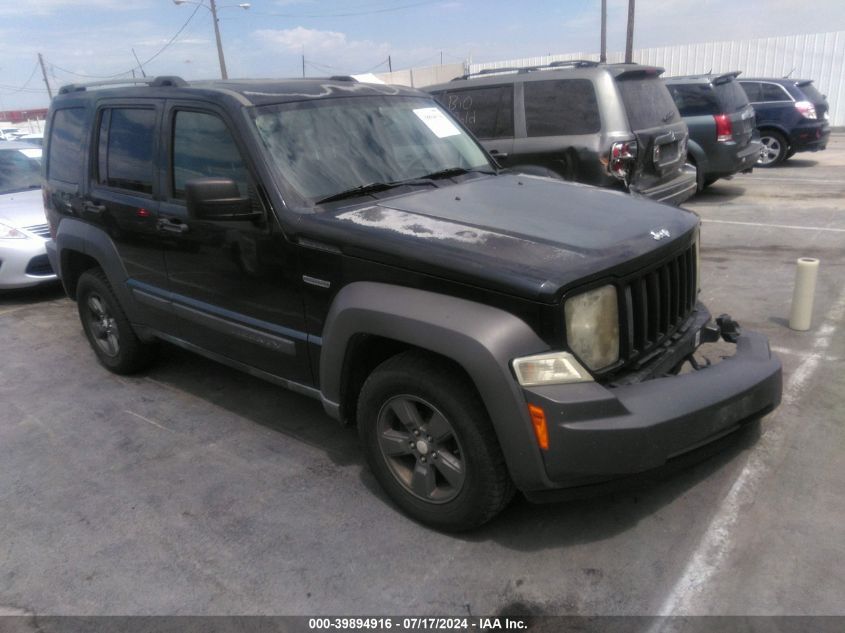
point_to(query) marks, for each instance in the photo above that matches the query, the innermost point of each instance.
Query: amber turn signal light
(541, 431)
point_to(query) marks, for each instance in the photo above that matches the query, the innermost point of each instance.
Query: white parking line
(802, 352)
(716, 542)
(153, 422)
(776, 226)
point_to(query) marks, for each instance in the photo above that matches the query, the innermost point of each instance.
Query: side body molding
(480, 338)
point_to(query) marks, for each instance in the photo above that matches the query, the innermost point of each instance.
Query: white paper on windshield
(437, 122)
(31, 153)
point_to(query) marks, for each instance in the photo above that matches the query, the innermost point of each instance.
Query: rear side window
(487, 112)
(204, 148)
(773, 92)
(731, 97)
(559, 107)
(125, 149)
(648, 103)
(694, 99)
(63, 162)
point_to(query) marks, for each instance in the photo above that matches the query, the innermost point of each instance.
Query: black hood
(523, 235)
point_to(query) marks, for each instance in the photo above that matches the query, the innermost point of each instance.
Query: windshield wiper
(360, 190)
(454, 171)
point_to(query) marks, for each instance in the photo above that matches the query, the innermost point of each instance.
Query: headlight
(8, 232)
(554, 368)
(592, 326)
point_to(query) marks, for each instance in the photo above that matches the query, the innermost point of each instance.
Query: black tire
(790, 153)
(707, 182)
(775, 148)
(440, 462)
(108, 330)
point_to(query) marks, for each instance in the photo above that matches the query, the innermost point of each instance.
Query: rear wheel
(774, 148)
(108, 330)
(430, 444)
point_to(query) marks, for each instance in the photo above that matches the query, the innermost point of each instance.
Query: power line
(345, 14)
(141, 64)
(23, 88)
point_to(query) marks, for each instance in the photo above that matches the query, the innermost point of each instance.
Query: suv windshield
(731, 96)
(364, 144)
(19, 170)
(811, 92)
(647, 102)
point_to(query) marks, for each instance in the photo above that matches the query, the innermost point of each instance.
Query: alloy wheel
(421, 448)
(103, 325)
(770, 151)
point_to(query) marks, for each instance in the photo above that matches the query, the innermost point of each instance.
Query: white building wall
(820, 57)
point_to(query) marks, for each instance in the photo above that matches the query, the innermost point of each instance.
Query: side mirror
(217, 199)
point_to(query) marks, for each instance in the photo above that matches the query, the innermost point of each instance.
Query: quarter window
(774, 92)
(125, 149)
(203, 147)
(487, 112)
(64, 160)
(559, 107)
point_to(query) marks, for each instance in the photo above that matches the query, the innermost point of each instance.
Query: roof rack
(153, 82)
(569, 63)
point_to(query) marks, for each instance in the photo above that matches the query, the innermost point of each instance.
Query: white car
(36, 138)
(23, 227)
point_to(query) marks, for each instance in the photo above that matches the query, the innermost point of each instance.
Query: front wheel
(775, 148)
(430, 444)
(108, 330)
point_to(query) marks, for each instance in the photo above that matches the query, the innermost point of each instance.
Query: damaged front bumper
(601, 431)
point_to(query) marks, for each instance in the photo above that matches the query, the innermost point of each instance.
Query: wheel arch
(697, 153)
(373, 321)
(82, 246)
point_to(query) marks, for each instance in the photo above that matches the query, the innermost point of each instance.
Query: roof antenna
(787, 75)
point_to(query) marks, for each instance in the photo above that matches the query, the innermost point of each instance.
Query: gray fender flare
(694, 150)
(480, 338)
(90, 240)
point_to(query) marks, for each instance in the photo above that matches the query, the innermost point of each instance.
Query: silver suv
(610, 125)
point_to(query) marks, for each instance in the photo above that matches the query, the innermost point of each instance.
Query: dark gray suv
(723, 139)
(608, 125)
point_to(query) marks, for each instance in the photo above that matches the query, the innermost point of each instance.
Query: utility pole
(603, 53)
(139, 64)
(223, 72)
(303, 65)
(629, 41)
(389, 64)
(44, 74)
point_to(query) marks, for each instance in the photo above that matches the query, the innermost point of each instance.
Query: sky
(86, 40)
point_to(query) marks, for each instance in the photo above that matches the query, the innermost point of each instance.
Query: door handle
(94, 209)
(172, 225)
(497, 154)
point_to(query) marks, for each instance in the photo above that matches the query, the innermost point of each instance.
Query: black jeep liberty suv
(487, 332)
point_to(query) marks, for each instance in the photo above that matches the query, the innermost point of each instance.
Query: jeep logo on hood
(659, 234)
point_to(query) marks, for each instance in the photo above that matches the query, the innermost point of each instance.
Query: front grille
(39, 266)
(39, 229)
(656, 303)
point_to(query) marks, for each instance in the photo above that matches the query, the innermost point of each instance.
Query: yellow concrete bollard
(801, 313)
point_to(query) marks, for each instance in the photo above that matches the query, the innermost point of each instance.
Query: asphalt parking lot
(195, 489)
